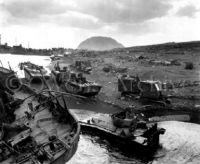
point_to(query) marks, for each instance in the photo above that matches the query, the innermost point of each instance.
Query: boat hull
(8, 78)
(32, 77)
(88, 89)
(68, 154)
(125, 143)
(69, 140)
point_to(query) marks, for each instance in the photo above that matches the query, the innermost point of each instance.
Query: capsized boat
(75, 83)
(134, 134)
(33, 71)
(42, 130)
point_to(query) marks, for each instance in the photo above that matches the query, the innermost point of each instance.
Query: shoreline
(25, 54)
(96, 106)
(109, 99)
(188, 96)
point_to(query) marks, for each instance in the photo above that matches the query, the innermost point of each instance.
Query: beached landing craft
(134, 134)
(33, 71)
(42, 130)
(75, 84)
(56, 57)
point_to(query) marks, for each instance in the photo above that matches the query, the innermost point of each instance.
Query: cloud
(39, 12)
(88, 12)
(113, 11)
(32, 8)
(136, 28)
(76, 20)
(188, 11)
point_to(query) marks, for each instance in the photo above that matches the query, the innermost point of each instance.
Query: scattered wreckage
(75, 83)
(47, 132)
(134, 133)
(33, 71)
(146, 90)
(42, 129)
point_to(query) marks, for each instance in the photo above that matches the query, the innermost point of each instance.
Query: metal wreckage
(35, 127)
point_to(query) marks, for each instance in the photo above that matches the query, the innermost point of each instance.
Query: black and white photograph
(99, 82)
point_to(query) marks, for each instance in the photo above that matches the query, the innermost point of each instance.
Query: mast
(1, 63)
(9, 66)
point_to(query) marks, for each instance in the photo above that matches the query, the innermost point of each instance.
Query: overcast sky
(65, 23)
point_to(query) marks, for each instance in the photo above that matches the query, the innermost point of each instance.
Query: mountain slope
(99, 43)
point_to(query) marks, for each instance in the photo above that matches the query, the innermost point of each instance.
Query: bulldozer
(148, 91)
(128, 84)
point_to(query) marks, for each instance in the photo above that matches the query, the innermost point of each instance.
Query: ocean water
(93, 150)
(180, 144)
(14, 61)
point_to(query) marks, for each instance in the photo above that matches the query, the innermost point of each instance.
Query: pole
(9, 66)
(1, 63)
(45, 82)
